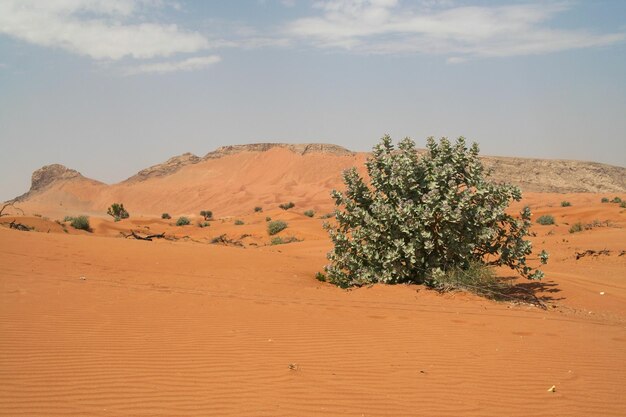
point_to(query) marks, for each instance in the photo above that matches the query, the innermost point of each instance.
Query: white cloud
(190, 64)
(96, 28)
(384, 27)
(455, 60)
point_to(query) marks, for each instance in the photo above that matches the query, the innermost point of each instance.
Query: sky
(109, 87)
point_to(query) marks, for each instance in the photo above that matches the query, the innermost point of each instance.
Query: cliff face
(166, 168)
(302, 149)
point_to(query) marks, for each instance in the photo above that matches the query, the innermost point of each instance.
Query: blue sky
(109, 87)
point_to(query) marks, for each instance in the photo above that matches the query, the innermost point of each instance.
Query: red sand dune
(95, 324)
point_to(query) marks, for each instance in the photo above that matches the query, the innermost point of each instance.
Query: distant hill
(234, 179)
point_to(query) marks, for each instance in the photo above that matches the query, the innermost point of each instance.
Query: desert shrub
(422, 216)
(282, 241)
(616, 200)
(207, 214)
(239, 222)
(320, 277)
(81, 222)
(203, 224)
(576, 227)
(118, 212)
(309, 213)
(276, 226)
(166, 216)
(546, 219)
(622, 204)
(182, 221)
(327, 215)
(68, 218)
(268, 219)
(258, 209)
(287, 206)
(565, 204)
(604, 200)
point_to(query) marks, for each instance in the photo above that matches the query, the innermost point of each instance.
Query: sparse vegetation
(203, 224)
(309, 213)
(81, 223)
(182, 221)
(282, 241)
(565, 204)
(327, 215)
(622, 204)
(268, 219)
(604, 200)
(118, 212)
(546, 219)
(276, 226)
(616, 200)
(239, 222)
(320, 277)
(422, 217)
(207, 214)
(68, 218)
(166, 216)
(258, 209)
(576, 227)
(287, 206)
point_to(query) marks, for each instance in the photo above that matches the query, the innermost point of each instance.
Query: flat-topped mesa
(166, 168)
(301, 148)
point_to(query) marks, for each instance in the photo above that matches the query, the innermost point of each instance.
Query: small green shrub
(282, 241)
(166, 216)
(565, 204)
(604, 200)
(118, 212)
(309, 213)
(320, 277)
(203, 224)
(182, 221)
(622, 204)
(328, 215)
(258, 209)
(576, 227)
(81, 223)
(268, 219)
(68, 218)
(546, 219)
(239, 222)
(287, 206)
(276, 226)
(616, 200)
(476, 278)
(207, 214)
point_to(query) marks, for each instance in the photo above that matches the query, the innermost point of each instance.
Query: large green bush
(182, 221)
(422, 216)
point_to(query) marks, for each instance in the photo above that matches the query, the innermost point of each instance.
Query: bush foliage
(565, 204)
(422, 216)
(118, 212)
(166, 216)
(546, 219)
(309, 213)
(287, 206)
(276, 226)
(182, 221)
(207, 214)
(81, 222)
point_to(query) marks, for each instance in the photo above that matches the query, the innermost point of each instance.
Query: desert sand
(95, 324)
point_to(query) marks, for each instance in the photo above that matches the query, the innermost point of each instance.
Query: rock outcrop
(166, 168)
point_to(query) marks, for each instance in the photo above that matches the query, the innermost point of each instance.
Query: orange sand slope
(95, 324)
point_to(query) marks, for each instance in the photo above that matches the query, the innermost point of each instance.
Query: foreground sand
(102, 326)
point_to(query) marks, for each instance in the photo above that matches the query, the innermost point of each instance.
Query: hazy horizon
(111, 87)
